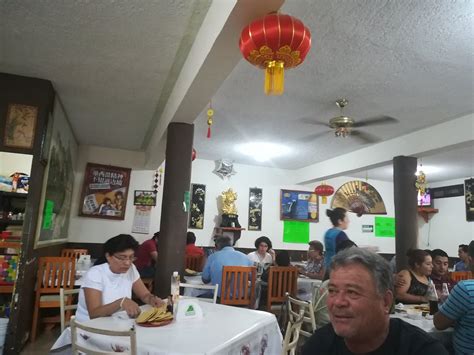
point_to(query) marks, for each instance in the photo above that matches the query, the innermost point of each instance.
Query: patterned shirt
(314, 266)
(460, 307)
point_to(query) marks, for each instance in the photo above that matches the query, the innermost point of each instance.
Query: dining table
(222, 330)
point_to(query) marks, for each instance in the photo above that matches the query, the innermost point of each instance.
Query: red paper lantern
(193, 155)
(273, 43)
(324, 190)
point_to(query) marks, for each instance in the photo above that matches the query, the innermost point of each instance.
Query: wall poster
(20, 126)
(299, 206)
(198, 200)
(469, 196)
(255, 209)
(105, 191)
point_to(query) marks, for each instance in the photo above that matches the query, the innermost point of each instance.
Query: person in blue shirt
(226, 255)
(458, 311)
(462, 265)
(336, 234)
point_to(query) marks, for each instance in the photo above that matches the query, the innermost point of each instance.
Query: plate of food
(422, 307)
(155, 317)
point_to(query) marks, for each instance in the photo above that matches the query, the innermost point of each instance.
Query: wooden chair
(66, 305)
(79, 349)
(292, 334)
(74, 253)
(294, 309)
(281, 280)
(194, 262)
(461, 275)
(214, 288)
(238, 285)
(54, 273)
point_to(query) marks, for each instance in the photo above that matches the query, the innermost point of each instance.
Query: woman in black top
(414, 281)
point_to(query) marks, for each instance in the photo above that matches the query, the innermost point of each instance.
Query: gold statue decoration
(228, 201)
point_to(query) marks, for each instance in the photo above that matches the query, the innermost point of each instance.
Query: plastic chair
(320, 293)
(461, 275)
(238, 285)
(193, 262)
(54, 273)
(79, 349)
(74, 253)
(294, 308)
(292, 334)
(214, 288)
(66, 298)
(281, 280)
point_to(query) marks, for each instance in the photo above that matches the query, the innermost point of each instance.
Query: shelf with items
(426, 212)
(12, 210)
(8, 265)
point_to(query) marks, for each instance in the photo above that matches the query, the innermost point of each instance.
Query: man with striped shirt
(458, 311)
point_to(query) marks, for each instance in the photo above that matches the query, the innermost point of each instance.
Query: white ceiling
(114, 66)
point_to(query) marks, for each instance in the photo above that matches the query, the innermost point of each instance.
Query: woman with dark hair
(414, 282)
(264, 255)
(107, 287)
(336, 234)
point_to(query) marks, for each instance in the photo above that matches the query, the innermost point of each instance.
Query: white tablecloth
(305, 287)
(224, 330)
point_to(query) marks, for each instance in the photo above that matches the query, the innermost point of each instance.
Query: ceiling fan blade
(314, 136)
(378, 120)
(313, 121)
(364, 137)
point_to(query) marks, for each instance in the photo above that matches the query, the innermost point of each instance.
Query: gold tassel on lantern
(274, 78)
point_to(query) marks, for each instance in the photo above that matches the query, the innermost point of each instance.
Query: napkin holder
(188, 309)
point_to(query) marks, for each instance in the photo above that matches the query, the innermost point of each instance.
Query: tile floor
(43, 343)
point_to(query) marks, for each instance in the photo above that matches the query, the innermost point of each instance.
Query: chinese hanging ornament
(210, 113)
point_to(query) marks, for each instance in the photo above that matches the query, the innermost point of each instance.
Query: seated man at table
(463, 264)
(191, 248)
(147, 255)
(458, 311)
(314, 268)
(440, 274)
(359, 300)
(225, 255)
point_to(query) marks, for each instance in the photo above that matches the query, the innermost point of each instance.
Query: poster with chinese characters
(105, 191)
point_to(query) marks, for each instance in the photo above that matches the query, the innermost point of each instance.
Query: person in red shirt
(191, 249)
(147, 255)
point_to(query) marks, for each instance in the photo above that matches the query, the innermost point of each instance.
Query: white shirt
(113, 286)
(256, 258)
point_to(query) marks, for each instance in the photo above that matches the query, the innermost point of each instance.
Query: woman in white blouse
(264, 256)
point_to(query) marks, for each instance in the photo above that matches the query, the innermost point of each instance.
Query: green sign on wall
(295, 232)
(385, 227)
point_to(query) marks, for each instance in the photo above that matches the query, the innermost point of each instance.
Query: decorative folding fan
(359, 197)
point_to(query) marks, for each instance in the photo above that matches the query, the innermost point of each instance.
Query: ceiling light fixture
(262, 152)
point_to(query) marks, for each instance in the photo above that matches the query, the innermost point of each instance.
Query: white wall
(448, 228)
(14, 162)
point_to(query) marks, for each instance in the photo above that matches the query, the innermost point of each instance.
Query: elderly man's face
(356, 310)
(440, 265)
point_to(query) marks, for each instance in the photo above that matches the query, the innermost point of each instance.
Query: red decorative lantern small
(193, 155)
(273, 43)
(324, 190)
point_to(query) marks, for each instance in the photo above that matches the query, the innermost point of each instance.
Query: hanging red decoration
(324, 190)
(193, 155)
(273, 43)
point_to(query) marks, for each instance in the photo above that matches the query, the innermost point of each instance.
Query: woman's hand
(154, 301)
(131, 307)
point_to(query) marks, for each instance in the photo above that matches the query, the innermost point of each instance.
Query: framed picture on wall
(299, 206)
(198, 202)
(144, 198)
(255, 209)
(469, 197)
(104, 192)
(20, 126)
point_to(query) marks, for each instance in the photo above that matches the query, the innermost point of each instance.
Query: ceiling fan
(344, 126)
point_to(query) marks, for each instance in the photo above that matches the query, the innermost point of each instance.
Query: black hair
(190, 238)
(464, 247)
(438, 252)
(471, 249)
(317, 245)
(265, 240)
(416, 256)
(156, 235)
(282, 258)
(222, 241)
(117, 244)
(335, 215)
(345, 244)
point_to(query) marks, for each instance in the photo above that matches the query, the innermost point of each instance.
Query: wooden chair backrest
(238, 285)
(292, 334)
(281, 280)
(76, 348)
(294, 310)
(193, 262)
(55, 273)
(66, 304)
(461, 275)
(74, 253)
